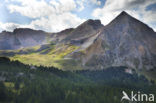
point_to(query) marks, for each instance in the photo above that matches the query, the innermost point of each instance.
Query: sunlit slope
(51, 56)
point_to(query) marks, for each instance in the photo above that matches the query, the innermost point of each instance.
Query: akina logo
(138, 97)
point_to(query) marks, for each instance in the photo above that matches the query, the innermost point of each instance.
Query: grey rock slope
(84, 31)
(25, 37)
(21, 38)
(123, 42)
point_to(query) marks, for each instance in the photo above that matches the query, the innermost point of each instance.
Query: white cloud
(11, 26)
(136, 8)
(51, 23)
(83, 3)
(149, 16)
(96, 2)
(80, 4)
(57, 22)
(63, 6)
(53, 16)
(8, 26)
(32, 8)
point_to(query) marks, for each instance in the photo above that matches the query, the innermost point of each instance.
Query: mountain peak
(124, 13)
(86, 29)
(91, 22)
(23, 30)
(124, 16)
(124, 19)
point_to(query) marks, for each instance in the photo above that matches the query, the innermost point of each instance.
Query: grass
(53, 56)
(28, 49)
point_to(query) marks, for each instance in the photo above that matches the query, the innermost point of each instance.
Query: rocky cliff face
(21, 38)
(84, 32)
(124, 42)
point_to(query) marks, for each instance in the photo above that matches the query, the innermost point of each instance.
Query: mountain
(79, 35)
(125, 41)
(21, 38)
(85, 30)
(25, 37)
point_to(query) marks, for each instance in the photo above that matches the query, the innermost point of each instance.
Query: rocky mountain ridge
(125, 41)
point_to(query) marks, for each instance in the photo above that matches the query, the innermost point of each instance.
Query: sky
(57, 15)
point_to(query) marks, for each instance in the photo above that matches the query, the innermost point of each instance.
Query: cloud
(57, 22)
(31, 8)
(136, 8)
(81, 4)
(51, 23)
(51, 16)
(63, 6)
(96, 2)
(8, 26)
(11, 26)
